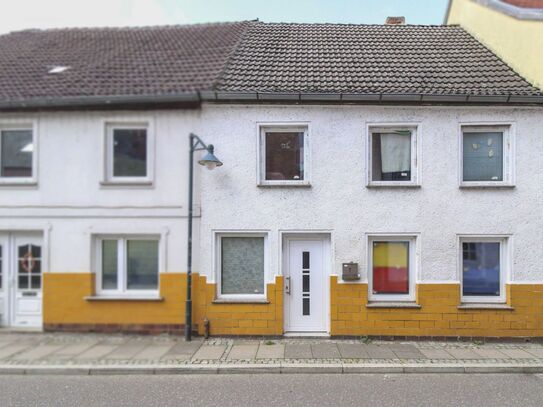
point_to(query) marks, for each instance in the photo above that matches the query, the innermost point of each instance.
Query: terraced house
(377, 180)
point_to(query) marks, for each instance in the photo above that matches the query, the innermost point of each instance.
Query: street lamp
(210, 162)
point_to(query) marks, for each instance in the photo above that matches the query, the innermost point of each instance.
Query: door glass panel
(109, 264)
(29, 264)
(1, 266)
(306, 286)
(142, 267)
(391, 267)
(17, 149)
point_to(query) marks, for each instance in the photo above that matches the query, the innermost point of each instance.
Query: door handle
(287, 285)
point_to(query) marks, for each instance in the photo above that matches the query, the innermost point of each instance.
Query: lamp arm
(197, 144)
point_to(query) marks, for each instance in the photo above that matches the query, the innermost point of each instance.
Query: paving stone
(517, 353)
(69, 351)
(243, 352)
(460, 353)
(436, 354)
(153, 351)
(325, 351)
(126, 351)
(408, 354)
(490, 353)
(276, 351)
(298, 351)
(9, 350)
(96, 352)
(537, 352)
(379, 352)
(37, 352)
(183, 350)
(353, 351)
(207, 352)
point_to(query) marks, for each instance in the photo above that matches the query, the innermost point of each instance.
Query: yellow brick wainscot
(440, 313)
(69, 305)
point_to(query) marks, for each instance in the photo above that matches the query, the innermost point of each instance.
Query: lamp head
(209, 160)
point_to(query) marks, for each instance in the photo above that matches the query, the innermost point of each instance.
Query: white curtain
(395, 152)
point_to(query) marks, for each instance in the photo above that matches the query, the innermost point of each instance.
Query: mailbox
(350, 272)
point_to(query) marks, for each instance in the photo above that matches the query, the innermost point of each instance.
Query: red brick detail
(525, 3)
(143, 329)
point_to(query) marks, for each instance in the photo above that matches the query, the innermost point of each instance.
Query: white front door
(21, 286)
(305, 286)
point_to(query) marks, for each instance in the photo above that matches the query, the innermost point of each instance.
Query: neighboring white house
(377, 180)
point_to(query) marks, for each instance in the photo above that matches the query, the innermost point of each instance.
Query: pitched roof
(115, 61)
(201, 62)
(395, 59)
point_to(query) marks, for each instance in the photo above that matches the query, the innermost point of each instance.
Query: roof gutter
(196, 98)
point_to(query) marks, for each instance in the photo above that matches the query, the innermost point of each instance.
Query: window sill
(394, 185)
(18, 183)
(126, 184)
(486, 186)
(386, 304)
(123, 298)
(284, 184)
(473, 306)
(240, 301)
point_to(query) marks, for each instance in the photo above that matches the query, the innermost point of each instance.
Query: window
(129, 154)
(391, 271)
(283, 156)
(392, 156)
(127, 265)
(482, 274)
(17, 158)
(486, 157)
(241, 264)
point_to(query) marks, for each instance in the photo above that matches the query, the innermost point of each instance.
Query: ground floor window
(483, 265)
(241, 265)
(127, 264)
(391, 268)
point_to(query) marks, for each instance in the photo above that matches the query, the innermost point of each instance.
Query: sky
(24, 14)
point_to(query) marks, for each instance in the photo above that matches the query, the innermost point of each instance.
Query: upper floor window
(283, 156)
(17, 154)
(486, 156)
(392, 156)
(129, 155)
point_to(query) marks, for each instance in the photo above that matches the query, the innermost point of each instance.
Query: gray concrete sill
(393, 185)
(123, 298)
(393, 305)
(486, 306)
(240, 301)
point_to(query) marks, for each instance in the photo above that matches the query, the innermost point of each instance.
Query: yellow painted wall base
(439, 314)
(65, 307)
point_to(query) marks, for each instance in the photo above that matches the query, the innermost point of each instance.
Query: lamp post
(210, 162)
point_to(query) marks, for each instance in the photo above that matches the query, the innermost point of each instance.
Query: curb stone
(275, 368)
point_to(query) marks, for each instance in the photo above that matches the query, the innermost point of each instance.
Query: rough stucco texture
(339, 201)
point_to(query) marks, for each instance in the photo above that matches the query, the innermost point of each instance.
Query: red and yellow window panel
(390, 267)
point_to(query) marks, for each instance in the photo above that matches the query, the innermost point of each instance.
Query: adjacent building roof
(252, 60)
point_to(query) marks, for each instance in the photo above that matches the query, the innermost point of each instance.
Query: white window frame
(505, 266)
(507, 129)
(415, 129)
(218, 266)
(109, 127)
(22, 125)
(413, 267)
(264, 128)
(122, 270)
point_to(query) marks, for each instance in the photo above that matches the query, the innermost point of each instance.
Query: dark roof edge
(195, 98)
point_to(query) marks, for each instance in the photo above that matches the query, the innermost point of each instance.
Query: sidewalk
(46, 353)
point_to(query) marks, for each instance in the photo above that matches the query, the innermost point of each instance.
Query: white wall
(339, 201)
(72, 205)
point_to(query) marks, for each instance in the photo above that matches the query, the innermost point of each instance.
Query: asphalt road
(274, 390)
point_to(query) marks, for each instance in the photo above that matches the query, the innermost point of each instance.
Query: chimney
(395, 21)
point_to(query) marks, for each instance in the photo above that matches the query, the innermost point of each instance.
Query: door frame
(285, 237)
(42, 232)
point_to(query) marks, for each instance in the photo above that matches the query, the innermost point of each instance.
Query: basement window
(127, 265)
